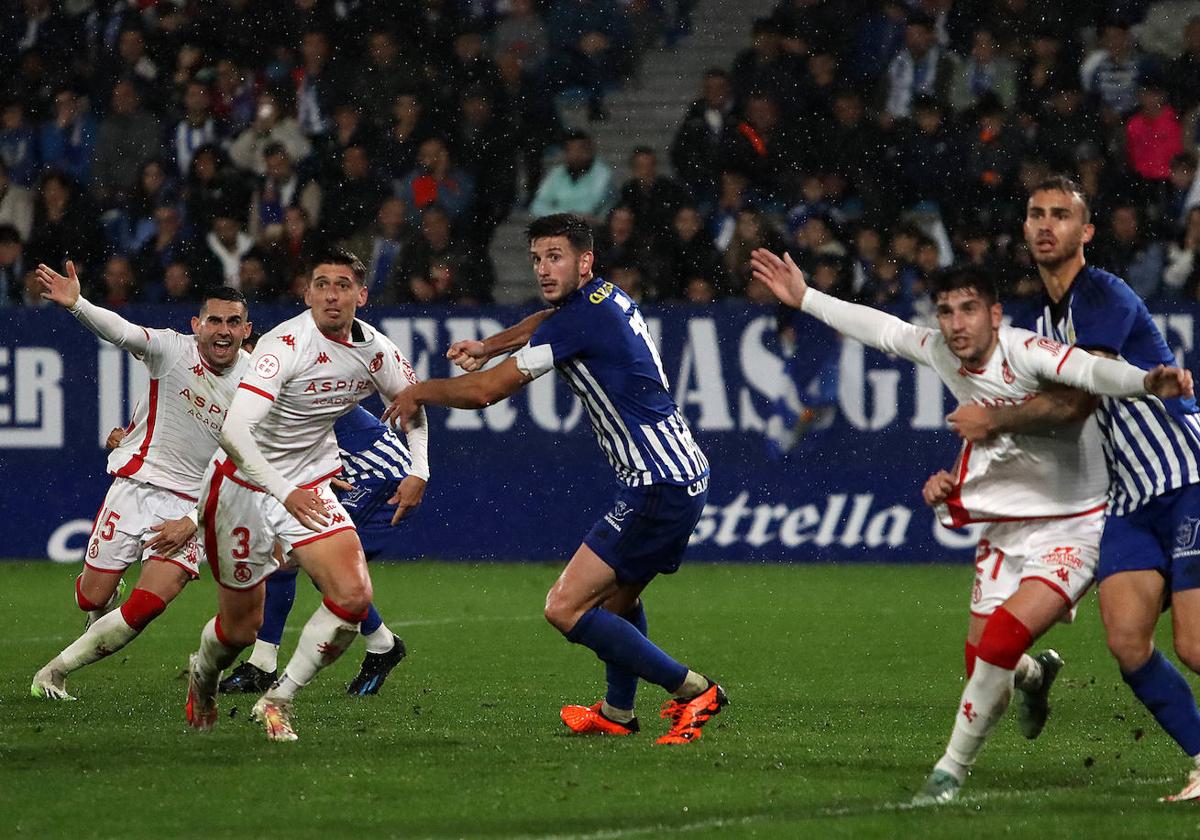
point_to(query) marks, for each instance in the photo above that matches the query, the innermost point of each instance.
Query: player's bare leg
(1002, 640)
(98, 592)
(239, 615)
(1186, 626)
(338, 567)
(573, 607)
(160, 582)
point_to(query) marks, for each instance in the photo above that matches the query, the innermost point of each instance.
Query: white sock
(613, 713)
(381, 641)
(265, 656)
(104, 637)
(984, 700)
(214, 655)
(693, 684)
(324, 638)
(1028, 674)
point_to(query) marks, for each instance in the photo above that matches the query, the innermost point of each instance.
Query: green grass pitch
(843, 682)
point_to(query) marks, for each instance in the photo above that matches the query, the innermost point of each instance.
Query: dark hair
(574, 228)
(1061, 183)
(227, 293)
(336, 255)
(980, 281)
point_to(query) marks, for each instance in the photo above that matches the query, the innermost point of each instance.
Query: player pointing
(273, 486)
(1042, 499)
(150, 510)
(599, 343)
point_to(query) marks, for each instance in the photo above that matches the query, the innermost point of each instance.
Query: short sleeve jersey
(1151, 446)
(312, 380)
(599, 343)
(176, 425)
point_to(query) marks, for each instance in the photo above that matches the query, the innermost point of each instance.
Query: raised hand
(61, 290)
(468, 355)
(782, 276)
(1169, 382)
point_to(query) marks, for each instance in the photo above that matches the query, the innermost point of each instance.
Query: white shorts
(241, 524)
(122, 528)
(1062, 553)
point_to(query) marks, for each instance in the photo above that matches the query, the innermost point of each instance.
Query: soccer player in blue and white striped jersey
(1151, 543)
(599, 343)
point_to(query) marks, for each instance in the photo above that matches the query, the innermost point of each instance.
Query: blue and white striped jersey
(369, 449)
(1152, 445)
(600, 344)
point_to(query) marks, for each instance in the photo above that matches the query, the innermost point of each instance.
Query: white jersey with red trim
(312, 380)
(176, 425)
(1009, 476)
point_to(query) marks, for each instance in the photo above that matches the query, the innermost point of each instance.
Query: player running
(149, 512)
(1042, 498)
(273, 486)
(1152, 448)
(599, 343)
(374, 464)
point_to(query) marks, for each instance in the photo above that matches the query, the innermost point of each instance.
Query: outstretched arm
(473, 390)
(106, 324)
(1053, 408)
(472, 355)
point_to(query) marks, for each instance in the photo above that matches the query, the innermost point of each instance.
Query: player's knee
(89, 598)
(350, 607)
(1188, 651)
(560, 615)
(238, 630)
(1130, 648)
(141, 607)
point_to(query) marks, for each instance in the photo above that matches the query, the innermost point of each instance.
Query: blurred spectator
(118, 284)
(1113, 71)
(280, 188)
(168, 244)
(1045, 72)
(532, 117)
(928, 158)
(487, 150)
(732, 199)
(233, 99)
(687, 252)
(471, 65)
(298, 242)
(351, 202)
(410, 127)
(434, 269)
(868, 250)
(592, 49)
(1153, 135)
(347, 128)
(921, 67)
(212, 188)
(877, 39)
(1182, 73)
(628, 278)
(1184, 192)
(64, 225)
(68, 139)
(178, 285)
(619, 242)
(751, 231)
(764, 68)
(653, 198)
(18, 144)
(254, 280)
(131, 223)
(435, 182)
(132, 62)
(522, 33)
(986, 70)
(696, 148)
(1180, 275)
(991, 157)
(381, 247)
(581, 184)
(270, 126)
(197, 128)
(126, 138)
(761, 148)
(1064, 125)
(316, 87)
(385, 74)
(227, 244)
(1124, 250)
(16, 205)
(12, 266)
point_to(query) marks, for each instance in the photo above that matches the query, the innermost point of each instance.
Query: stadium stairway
(647, 111)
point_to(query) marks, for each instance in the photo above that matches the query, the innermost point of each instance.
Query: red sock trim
(220, 635)
(141, 607)
(81, 600)
(970, 652)
(1004, 640)
(344, 614)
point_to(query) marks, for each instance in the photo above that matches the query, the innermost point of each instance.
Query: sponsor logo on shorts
(617, 515)
(1063, 555)
(241, 572)
(1186, 536)
(698, 486)
(267, 366)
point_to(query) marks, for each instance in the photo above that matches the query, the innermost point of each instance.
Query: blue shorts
(1162, 535)
(647, 529)
(367, 505)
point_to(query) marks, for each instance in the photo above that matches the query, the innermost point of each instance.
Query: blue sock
(281, 594)
(372, 622)
(622, 683)
(1164, 691)
(614, 640)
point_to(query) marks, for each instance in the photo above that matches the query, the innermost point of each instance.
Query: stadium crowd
(172, 145)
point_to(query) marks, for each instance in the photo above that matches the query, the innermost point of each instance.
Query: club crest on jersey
(376, 363)
(94, 549)
(241, 572)
(323, 358)
(267, 366)
(1186, 536)
(1006, 372)
(1066, 556)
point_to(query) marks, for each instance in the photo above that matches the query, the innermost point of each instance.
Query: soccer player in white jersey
(271, 484)
(150, 510)
(1151, 541)
(598, 341)
(1042, 498)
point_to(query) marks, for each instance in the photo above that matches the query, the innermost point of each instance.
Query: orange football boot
(689, 716)
(588, 720)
